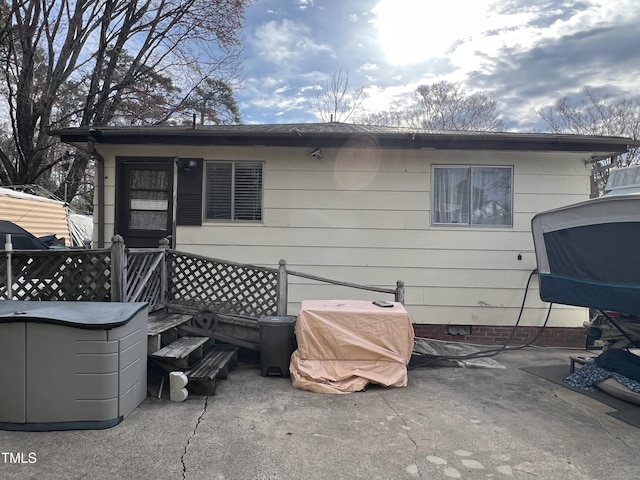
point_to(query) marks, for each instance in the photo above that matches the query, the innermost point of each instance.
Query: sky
(527, 52)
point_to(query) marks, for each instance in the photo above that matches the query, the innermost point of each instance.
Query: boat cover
(588, 253)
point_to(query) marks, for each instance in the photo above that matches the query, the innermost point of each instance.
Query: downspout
(100, 161)
(100, 192)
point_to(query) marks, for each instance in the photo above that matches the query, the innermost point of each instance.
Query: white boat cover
(588, 253)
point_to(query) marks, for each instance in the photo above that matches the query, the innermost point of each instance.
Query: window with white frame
(233, 191)
(465, 195)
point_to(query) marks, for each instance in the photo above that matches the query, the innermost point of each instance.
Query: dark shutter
(189, 206)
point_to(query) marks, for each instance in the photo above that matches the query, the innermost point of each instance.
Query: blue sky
(528, 52)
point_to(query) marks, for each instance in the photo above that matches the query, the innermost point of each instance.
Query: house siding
(39, 216)
(363, 216)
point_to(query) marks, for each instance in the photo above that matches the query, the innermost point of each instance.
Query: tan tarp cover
(345, 344)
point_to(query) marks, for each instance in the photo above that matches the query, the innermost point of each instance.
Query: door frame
(123, 166)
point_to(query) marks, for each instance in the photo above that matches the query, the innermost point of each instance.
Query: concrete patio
(448, 423)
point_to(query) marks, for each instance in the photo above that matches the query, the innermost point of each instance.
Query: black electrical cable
(492, 352)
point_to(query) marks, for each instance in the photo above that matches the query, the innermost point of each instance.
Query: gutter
(316, 137)
(99, 159)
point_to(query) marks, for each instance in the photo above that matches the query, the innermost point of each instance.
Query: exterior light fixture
(317, 153)
(186, 165)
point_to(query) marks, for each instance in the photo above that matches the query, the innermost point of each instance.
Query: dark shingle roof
(340, 135)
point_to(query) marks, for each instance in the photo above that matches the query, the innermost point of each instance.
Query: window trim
(205, 185)
(469, 224)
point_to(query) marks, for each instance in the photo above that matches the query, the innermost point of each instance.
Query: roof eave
(443, 141)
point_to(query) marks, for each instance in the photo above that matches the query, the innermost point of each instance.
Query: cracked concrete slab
(448, 423)
(191, 437)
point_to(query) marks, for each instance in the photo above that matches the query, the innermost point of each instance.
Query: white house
(447, 213)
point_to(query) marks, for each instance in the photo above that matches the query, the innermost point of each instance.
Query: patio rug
(625, 411)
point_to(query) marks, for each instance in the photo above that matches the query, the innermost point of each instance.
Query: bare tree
(334, 101)
(396, 116)
(141, 103)
(48, 48)
(447, 106)
(442, 106)
(594, 115)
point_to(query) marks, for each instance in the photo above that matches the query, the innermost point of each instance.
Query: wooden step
(214, 364)
(202, 377)
(165, 321)
(162, 329)
(183, 352)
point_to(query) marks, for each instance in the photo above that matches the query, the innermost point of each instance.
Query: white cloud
(379, 99)
(304, 4)
(282, 42)
(529, 51)
(410, 31)
(273, 94)
(267, 82)
(520, 32)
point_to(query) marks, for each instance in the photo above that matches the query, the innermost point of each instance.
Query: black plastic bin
(277, 343)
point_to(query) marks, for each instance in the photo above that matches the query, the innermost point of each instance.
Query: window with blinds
(233, 191)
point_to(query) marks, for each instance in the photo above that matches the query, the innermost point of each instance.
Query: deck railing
(159, 276)
(81, 275)
(143, 274)
(398, 292)
(222, 286)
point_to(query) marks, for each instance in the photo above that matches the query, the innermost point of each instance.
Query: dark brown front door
(144, 201)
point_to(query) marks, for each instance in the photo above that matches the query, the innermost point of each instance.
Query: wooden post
(283, 288)
(164, 272)
(400, 291)
(118, 273)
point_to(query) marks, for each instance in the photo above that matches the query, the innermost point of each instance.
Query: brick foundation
(498, 335)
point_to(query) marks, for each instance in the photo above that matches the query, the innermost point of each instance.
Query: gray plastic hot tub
(71, 365)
